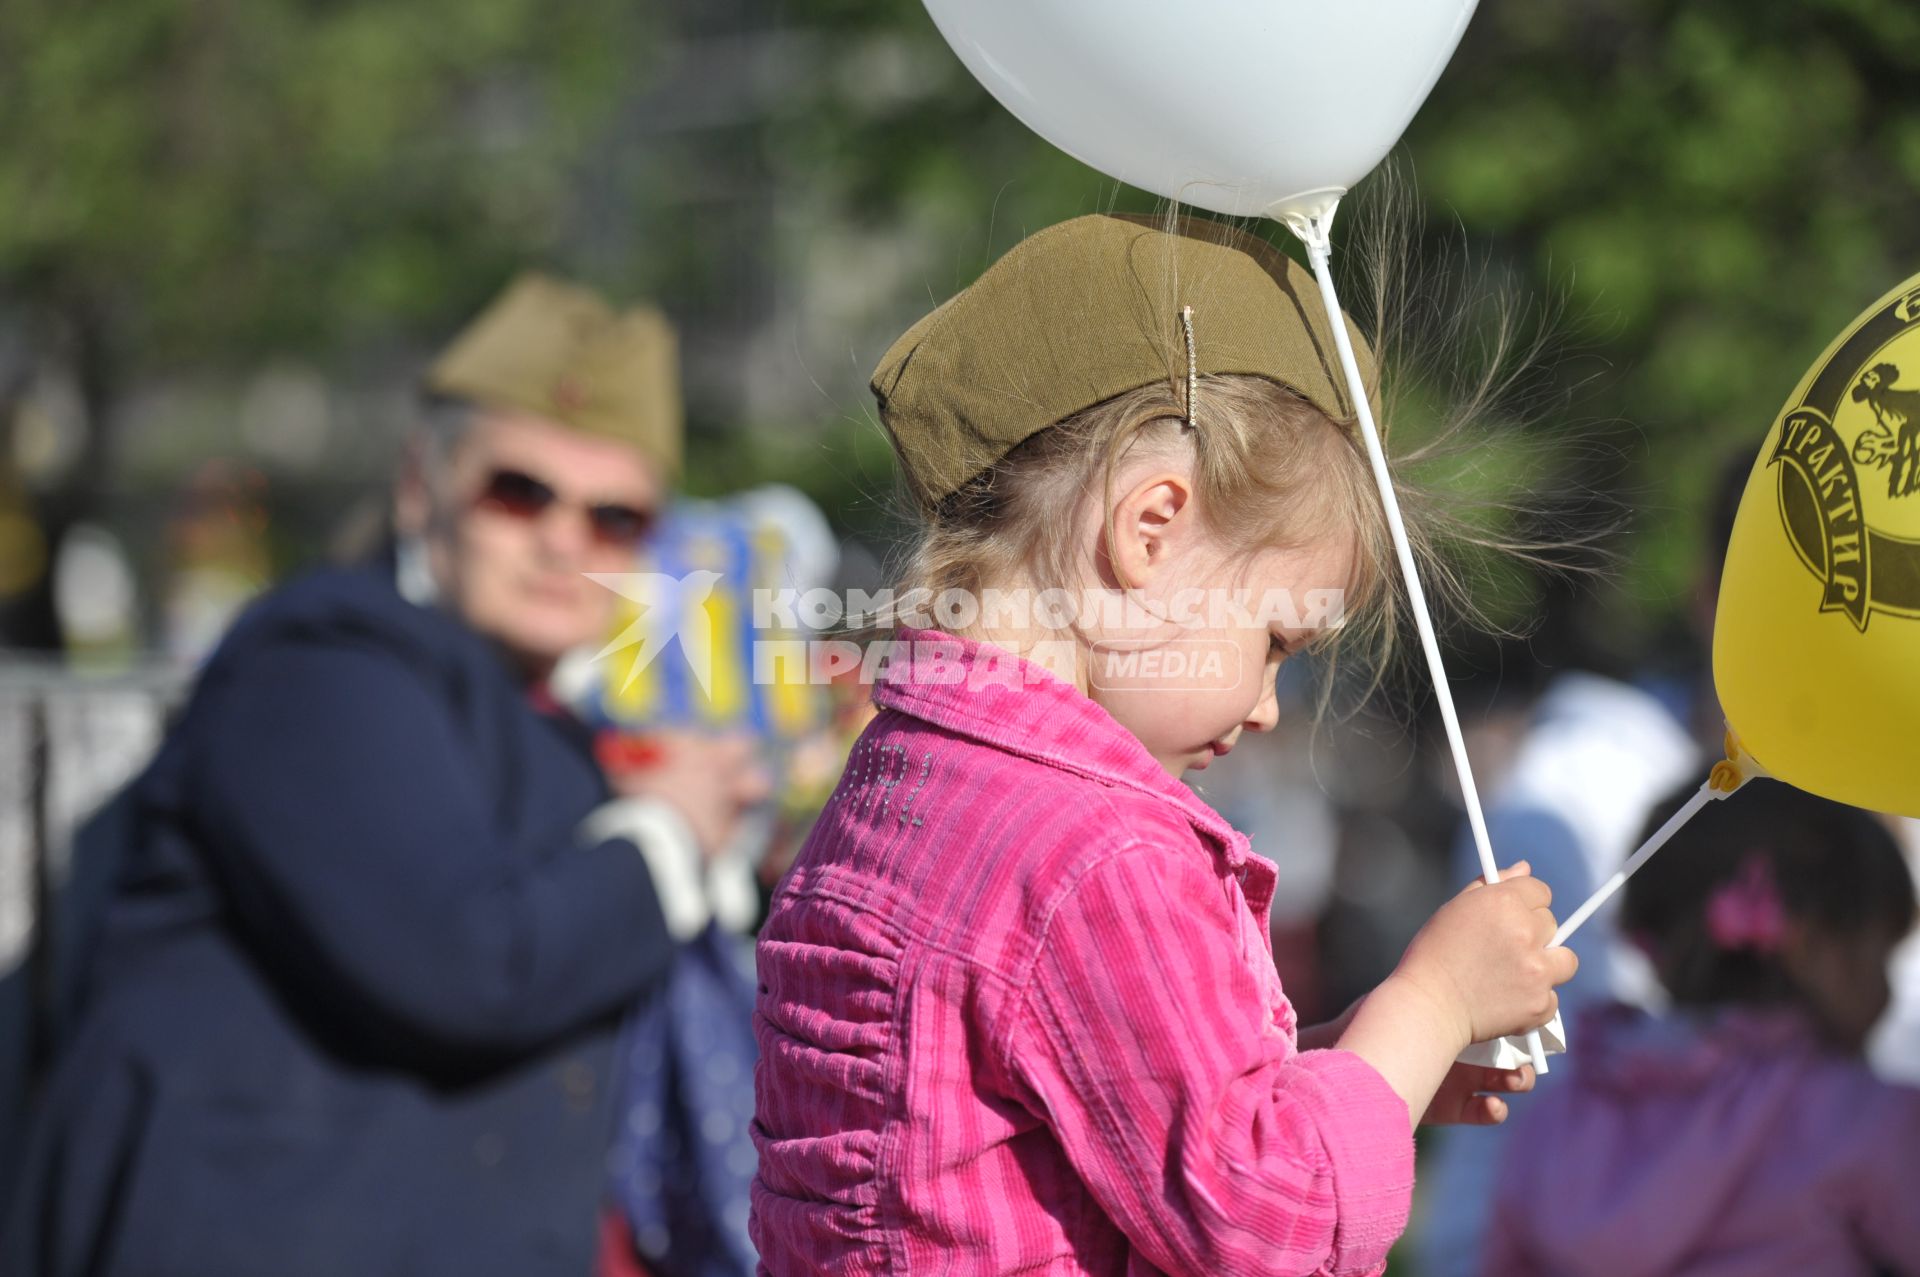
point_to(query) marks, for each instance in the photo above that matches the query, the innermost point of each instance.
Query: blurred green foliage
(1715, 187)
(204, 181)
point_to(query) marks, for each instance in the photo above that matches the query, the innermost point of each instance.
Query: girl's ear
(1152, 525)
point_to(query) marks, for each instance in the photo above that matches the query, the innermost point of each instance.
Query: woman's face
(522, 511)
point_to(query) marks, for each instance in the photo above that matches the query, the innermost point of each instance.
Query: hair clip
(1193, 366)
(1745, 913)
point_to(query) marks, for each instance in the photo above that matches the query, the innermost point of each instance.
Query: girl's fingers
(1484, 1110)
(1513, 1081)
(1520, 869)
(1471, 1110)
(1510, 1081)
(1464, 1100)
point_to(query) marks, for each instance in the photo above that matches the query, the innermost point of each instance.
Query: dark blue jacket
(353, 1008)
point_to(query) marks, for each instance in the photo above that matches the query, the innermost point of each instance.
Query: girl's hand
(1479, 969)
(1483, 961)
(1462, 1099)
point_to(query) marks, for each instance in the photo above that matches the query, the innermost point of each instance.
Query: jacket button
(489, 1149)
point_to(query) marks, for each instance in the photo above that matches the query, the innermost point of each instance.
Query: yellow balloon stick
(1312, 230)
(1728, 776)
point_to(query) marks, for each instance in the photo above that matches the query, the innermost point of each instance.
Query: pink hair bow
(1745, 912)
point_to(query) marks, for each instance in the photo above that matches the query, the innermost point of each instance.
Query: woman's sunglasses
(521, 496)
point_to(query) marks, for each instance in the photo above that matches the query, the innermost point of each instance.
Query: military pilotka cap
(559, 351)
(1090, 309)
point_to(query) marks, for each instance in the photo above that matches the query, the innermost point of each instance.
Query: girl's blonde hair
(1269, 470)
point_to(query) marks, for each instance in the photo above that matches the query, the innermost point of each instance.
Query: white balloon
(1245, 107)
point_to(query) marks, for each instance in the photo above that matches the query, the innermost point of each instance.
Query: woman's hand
(709, 780)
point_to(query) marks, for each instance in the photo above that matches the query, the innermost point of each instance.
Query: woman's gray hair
(440, 426)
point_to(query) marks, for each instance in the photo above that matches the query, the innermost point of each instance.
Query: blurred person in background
(1894, 1048)
(353, 1002)
(218, 558)
(1741, 1132)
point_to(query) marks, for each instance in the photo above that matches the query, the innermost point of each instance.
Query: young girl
(1741, 1134)
(1017, 1009)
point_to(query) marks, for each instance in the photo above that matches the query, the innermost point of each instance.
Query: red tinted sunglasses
(521, 496)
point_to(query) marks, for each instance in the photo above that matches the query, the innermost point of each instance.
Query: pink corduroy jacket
(1018, 1014)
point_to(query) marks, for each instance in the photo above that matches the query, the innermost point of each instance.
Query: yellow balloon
(1816, 646)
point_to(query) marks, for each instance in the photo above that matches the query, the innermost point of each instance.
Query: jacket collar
(989, 694)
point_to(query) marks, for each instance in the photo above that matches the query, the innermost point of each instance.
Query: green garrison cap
(1089, 309)
(559, 351)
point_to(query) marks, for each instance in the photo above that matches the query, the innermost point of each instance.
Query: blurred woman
(353, 1005)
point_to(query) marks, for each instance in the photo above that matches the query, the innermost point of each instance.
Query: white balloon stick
(1312, 231)
(1726, 780)
(1633, 863)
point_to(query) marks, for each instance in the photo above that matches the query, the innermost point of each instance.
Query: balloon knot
(1313, 230)
(1736, 769)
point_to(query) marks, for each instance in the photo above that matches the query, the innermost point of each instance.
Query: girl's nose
(1266, 712)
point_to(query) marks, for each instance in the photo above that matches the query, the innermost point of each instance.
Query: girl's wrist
(1328, 1032)
(1340, 1023)
(1435, 1010)
(1409, 1037)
